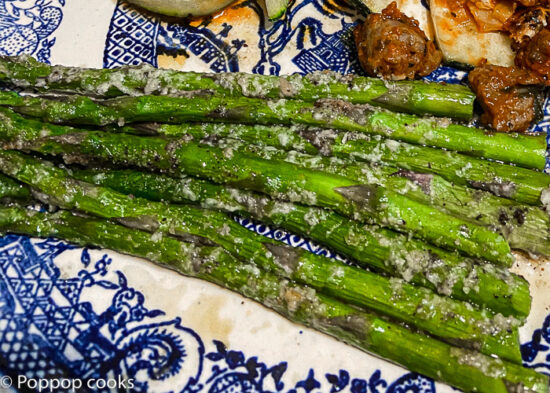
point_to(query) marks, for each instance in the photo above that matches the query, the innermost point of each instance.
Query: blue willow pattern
(25, 27)
(49, 329)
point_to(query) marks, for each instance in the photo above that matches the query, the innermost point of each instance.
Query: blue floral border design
(26, 27)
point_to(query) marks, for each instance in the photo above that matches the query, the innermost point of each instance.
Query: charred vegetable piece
(391, 46)
(491, 16)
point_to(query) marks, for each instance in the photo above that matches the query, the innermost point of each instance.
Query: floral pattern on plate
(69, 312)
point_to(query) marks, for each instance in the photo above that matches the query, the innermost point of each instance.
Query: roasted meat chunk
(508, 96)
(392, 46)
(525, 24)
(534, 55)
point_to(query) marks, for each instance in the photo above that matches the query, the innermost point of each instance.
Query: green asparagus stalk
(519, 184)
(368, 246)
(13, 190)
(464, 369)
(409, 96)
(506, 215)
(525, 227)
(288, 182)
(522, 150)
(450, 319)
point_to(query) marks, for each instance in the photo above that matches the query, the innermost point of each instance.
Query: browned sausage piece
(508, 96)
(392, 46)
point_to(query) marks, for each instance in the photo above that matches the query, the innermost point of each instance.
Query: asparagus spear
(369, 246)
(523, 226)
(519, 184)
(289, 182)
(506, 215)
(522, 150)
(11, 189)
(449, 319)
(410, 96)
(464, 369)
(522, 185)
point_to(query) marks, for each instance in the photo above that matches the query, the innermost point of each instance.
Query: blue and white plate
(69, 314)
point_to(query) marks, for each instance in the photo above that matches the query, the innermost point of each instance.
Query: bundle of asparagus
(429, 231)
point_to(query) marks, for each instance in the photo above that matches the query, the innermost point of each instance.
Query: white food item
(461, 42)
